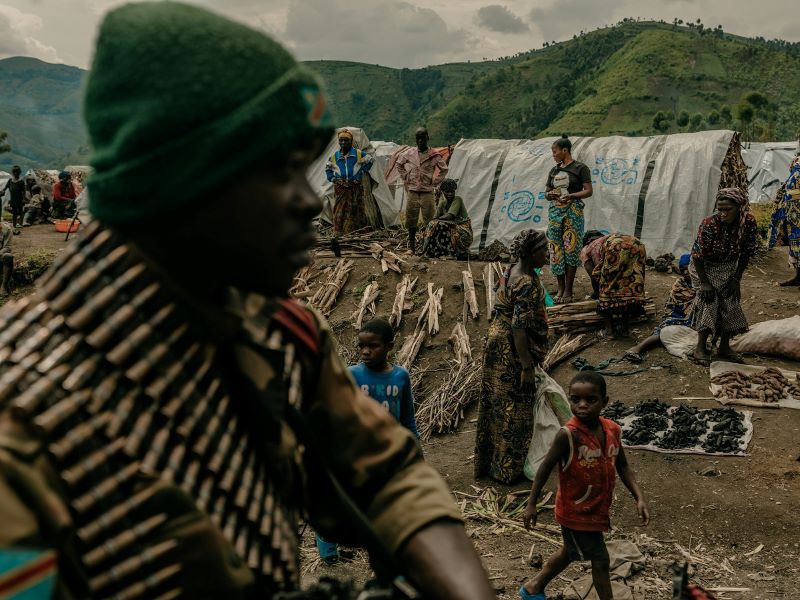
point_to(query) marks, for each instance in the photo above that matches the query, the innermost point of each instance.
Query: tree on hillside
(745, 113)
(662, 121)
(756, 100)
(725, 114)
(696, 120)
(713, 118)
(4, 147)
(683, 119)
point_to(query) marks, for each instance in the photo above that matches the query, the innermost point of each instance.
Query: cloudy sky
(396, 33)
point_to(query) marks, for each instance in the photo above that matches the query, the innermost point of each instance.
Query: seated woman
(615, 264)
(677, 311)
(450, 230)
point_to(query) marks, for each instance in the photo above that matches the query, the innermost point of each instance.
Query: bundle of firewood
(429, 316)
(301, 287)
(442, 409)
(566, 346)
(359, 242)
(492, 272)
(402, 300)
(470, 297)
(388, 260)
(325, 296)
(367, 304)
(408, 351)
(582, 316)
(459, 342)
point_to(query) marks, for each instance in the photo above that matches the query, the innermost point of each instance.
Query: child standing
(386, 383)
(588, 450)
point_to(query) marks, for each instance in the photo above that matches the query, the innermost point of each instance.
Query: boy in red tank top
(588, 452)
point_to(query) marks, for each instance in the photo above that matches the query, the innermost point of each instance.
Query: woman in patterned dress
(615, 264)
(569, 183)
(516, 343)
(725, 243)
(786, 220)
(450, 231)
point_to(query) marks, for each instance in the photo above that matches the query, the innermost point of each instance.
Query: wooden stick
(410, 348)
(488, 284)
(404, 289)
(470, 297)
(367, 304)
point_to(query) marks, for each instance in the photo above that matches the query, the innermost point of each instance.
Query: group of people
(28, 203)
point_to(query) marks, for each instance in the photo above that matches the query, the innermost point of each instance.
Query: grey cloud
(567, 17)
(496, 17)
(387, 32)
(14, 37)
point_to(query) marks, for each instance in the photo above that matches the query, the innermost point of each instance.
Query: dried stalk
(301, 287)
(388, 260)
(470, 297)
(442, 409)
(582, 316)
(491, 273)
(459, 341)
(404, 289)
(410, 348)
(367, 304)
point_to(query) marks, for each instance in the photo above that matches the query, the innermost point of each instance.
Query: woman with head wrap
(725, 243)
(677, 311)
(450, 231)
(786, 220)
(516, 343)
(345, 169)
(615, 264)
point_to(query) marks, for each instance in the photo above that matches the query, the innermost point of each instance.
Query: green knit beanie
(180, 100)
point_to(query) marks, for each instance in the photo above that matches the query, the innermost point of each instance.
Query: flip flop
(634, 357)
(703, 362)
(526, 595)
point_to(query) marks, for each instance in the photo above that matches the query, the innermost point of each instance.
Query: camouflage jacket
(144, 445)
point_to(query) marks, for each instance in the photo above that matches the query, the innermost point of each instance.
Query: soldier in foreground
(161, 402)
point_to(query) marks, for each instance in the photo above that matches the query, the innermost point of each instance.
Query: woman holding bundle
(725, 243)
(516, 343)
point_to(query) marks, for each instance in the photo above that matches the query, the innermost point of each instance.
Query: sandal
(733, 357)
(704, 361)
(526, 595)
(634, 357)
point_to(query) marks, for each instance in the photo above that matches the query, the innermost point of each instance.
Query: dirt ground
(754, 500)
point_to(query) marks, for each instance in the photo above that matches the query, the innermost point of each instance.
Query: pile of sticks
(582, 316)
(504, 512)
(459, 341)
(402, 300)
(429, 316)
(470, 297)
(441, 410)
(566, 346)
(410, 348)
(301, 287)
(325, 296)
(358, 243)
(388, 260)
(491, 274)
(367, 304)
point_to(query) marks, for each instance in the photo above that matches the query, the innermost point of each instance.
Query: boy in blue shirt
(384, 382)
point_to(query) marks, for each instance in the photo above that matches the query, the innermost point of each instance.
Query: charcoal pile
(653, 425)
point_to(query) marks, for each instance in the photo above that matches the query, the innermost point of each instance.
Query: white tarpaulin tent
(658, 188)
(383, 194)
(767, 167)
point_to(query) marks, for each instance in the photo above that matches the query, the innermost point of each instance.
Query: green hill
(40, 110)
(610, 81)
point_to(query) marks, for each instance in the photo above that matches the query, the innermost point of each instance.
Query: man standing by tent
(167, 413)
(16, 190)
(345, 169)
(421, 170)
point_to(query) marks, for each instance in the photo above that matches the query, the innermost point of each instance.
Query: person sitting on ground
(450, 231)
(786, 220)
(421, 170)
(615, 263)
(726, 241)
(677, 311)
(36, 203)
(345, 169)
(588, 452)
(16, 190)
(64, 195)
(7, 259)
(388, 384)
